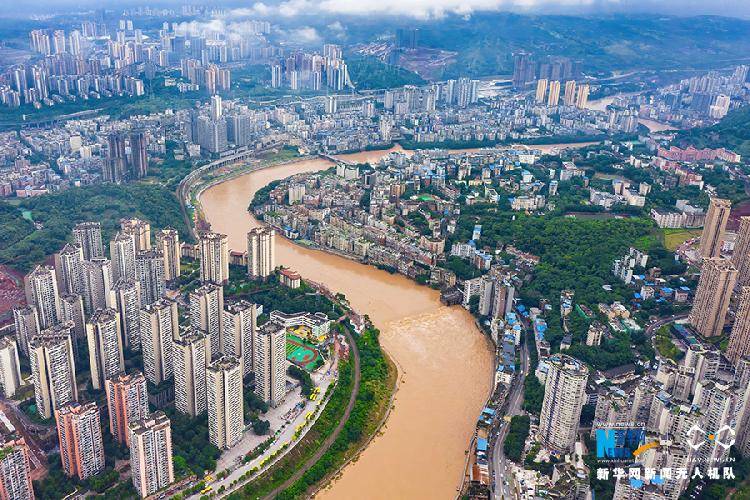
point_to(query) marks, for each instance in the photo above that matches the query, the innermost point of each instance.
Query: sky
(438, 8)
(428, 9)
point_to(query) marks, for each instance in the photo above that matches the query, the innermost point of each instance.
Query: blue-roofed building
(666, 292)
(511, 318)
(504, 374)
(487, 416)
(482, 445)
(540, 327)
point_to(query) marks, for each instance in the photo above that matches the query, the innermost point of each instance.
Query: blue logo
(618, 444)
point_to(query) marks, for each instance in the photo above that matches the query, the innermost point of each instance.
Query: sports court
(301, 353)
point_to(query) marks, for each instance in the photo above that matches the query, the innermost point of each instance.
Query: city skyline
(243, 241)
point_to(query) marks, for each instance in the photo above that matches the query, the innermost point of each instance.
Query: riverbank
(428, 341)
(379, 402)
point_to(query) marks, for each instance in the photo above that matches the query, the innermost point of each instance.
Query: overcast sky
(427, 8)
(437, 8)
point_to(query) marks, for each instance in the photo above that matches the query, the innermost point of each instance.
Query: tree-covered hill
(59, 212)
(732, 132)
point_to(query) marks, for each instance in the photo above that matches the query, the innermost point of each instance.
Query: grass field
(301, 353)
(676, 237)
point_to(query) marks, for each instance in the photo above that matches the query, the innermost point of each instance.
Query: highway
(513, 404)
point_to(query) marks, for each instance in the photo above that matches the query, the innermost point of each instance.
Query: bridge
(333, 159)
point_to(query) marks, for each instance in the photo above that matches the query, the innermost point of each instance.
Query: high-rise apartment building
(224, 402)
(741, 254)
(212, 134)
(582, 99)
(564, 397)
(270, 362)
(189, 361)
(159, 328)
(122, 253)
(53, 369)
(71, 307)
(138, 155)
(717, 403)
(105, 346)
(713, 228)
(553, 97)
(10, 367)
(151, 454)
(739, 340)
(214, 258)
(15, 471)
(89, 236)
(168, 245)
(570, 93)
(524, 69)
(207, 314)
(261, 255)
(41, 291)
(128, 301)
(114, 166)
(97, 285)
(239, 332)
(149, 270)
(712, 296)
(26, 325)
(541, 90)
(69, 269)
(127, 402)
(141, 232)
(216, 107)
(80, 433)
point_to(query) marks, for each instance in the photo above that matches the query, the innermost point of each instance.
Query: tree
(518, 433)
(261, 427)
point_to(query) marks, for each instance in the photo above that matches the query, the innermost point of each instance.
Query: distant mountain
(485, 42)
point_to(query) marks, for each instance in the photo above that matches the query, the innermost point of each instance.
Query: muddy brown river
(444, 362)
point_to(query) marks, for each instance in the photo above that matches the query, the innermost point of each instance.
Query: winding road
(337, 431)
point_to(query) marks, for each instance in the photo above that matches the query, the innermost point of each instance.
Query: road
(186, 184)
(231, 460)
(26, 428)
(513, 404)
(650, 329)
(340, 427)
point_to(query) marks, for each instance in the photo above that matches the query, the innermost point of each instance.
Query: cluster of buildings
(81, 64)
(573, 94)
(723, 278)
(81, 152)
(99, 60)
(302, 70)
(120, 304)
(688, 410)
(697, 101)
(354, 211)
(528, 68)
(330, 210)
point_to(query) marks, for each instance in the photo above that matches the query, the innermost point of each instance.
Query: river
(445, 364)
(652, 125)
